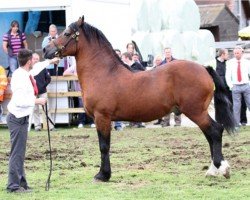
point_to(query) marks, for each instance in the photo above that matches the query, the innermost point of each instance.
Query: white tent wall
(110, 16)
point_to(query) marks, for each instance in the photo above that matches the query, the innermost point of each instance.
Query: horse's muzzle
(50, 53)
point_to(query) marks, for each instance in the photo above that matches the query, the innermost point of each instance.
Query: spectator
(134, 51)
(118, 52)
(221, 59)
(243, 111)
(237, 78)
(81, 116)
(136, 57)
(177, 116)
(62, 64)
(135, 67)
(221, 70)
(130, 48)
(42, 80)
(21, 105)
(157, 62)
(3, 87)
(118, 124)
(13, 41)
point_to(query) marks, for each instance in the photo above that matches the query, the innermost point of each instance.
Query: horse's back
(189, 73)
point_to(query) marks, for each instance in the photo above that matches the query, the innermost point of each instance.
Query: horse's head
(66, 43)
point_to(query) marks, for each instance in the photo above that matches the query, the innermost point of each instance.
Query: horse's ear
(81, 20)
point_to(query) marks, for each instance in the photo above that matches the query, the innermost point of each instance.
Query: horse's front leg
(103, 127)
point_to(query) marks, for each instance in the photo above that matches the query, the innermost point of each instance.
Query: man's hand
(54, 60)
(41, 101)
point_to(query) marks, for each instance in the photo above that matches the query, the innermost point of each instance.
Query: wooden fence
(53, 94)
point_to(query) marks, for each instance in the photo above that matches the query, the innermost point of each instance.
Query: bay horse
(112, 92)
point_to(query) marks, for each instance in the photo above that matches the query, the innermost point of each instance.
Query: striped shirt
(15, 42)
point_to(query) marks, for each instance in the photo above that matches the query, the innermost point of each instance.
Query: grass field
(161, 163)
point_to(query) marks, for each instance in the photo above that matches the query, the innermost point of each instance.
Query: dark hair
(14, 23)
(127, 55)
(23, 56)
(221, 51)
(117, 50)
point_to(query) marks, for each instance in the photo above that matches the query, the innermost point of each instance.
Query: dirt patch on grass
(132, 150)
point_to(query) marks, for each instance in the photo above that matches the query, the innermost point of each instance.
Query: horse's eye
(67, 34)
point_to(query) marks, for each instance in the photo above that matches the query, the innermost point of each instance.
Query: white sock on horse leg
(212, 171)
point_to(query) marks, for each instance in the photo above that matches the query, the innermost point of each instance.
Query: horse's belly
(142, 113)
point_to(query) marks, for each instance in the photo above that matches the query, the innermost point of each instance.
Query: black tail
(223, 106)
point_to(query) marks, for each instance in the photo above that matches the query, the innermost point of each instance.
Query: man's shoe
(165, 124)
(141, 126)
(52, 129)
(243, 124)
(158, 122)
(118, 128)
(80, 125)
(37, 129)
(92, 125)
(20, 190)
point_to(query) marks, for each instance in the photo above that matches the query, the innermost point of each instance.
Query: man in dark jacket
(135, 67)
(42, 80)
(177, 116)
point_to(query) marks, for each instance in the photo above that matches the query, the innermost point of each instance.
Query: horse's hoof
(101, 178)
(224, 169)
(95, 180)
(212, 171)
(227, 175)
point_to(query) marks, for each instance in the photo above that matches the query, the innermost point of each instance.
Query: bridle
(60, 48)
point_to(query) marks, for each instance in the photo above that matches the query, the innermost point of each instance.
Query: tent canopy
(245, 32)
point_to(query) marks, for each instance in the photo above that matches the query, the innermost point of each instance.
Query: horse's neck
(97, 62)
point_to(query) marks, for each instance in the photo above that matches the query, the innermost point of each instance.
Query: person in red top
(13, 41)
(3, 86)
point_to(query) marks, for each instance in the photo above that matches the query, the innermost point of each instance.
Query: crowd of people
(15, 39)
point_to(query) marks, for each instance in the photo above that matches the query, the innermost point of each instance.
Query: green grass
(167, 163)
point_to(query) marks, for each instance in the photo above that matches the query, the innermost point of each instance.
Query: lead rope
(50, 150)
(56, 94)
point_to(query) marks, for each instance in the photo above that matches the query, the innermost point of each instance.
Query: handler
(21, 105)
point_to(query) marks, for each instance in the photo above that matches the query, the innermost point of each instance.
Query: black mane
(92, 33)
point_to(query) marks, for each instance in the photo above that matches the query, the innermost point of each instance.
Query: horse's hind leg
(213, 132)
(103, 126)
